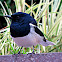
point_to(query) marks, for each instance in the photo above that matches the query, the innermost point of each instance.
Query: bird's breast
(26, 41)
(29, 40)
(18, 30)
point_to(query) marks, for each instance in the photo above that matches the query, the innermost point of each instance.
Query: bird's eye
(17, 16)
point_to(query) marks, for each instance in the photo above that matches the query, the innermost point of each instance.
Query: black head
(20, 24)
(21, 17)
(16, 17)
(18, 14)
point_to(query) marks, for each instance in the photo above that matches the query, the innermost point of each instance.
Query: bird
(25, 31)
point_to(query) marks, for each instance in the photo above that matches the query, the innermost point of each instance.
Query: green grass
(51, 26)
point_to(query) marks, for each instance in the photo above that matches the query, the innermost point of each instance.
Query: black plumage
(20, 25)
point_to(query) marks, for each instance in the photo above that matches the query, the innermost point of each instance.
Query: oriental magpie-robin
(25, 32)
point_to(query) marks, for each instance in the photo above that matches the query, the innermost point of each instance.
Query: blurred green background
(47, 13)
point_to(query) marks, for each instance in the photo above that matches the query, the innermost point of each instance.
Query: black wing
(38, 31)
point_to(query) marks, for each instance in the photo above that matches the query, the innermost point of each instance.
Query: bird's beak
(9, 16)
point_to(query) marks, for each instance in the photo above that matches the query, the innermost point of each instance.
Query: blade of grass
(56, 38)
(5, 13)
(54, 48)
(39, 7)
(55, 25)
(33, 8)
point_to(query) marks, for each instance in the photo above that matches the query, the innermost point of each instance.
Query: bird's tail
(47, 43)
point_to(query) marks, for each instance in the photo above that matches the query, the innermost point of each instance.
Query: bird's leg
(33, 50)
(20, 50)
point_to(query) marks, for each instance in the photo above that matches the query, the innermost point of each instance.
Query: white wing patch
(32, 25)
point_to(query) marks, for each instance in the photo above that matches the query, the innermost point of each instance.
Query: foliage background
(47, 13)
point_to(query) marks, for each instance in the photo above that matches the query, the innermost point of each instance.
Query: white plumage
(31, 39)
